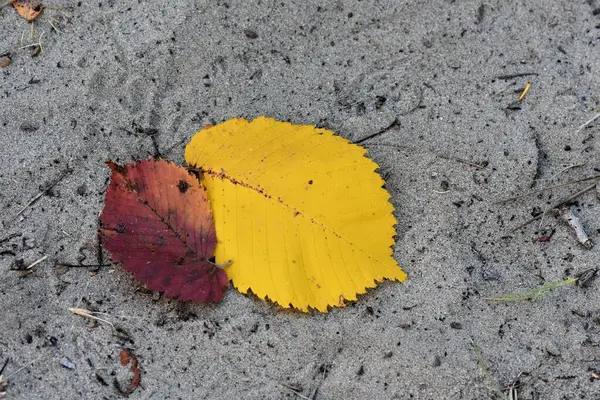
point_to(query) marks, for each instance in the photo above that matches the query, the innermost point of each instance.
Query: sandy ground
(117, 80)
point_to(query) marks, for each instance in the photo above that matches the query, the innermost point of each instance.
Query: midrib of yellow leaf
(298, 214)
(306, 244)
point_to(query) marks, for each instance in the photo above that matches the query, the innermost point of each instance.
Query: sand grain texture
(123, 79)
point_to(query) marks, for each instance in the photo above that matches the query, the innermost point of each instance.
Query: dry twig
(565, 168)
(556, 206)
(44, 191)
(587, 123)
(472, 164)
(589, 178)
(295, 391)
(36, 262)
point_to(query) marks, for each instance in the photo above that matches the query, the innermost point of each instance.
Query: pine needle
(589, 178)
(533, 293)
(524, 92)
(587, 123)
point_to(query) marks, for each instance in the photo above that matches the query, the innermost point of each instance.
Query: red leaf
(157, 223)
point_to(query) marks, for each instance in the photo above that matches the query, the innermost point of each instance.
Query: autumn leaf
(28, 9)
(157, 223)
(300, 211)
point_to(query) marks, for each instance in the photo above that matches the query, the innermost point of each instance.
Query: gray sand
(117, 68)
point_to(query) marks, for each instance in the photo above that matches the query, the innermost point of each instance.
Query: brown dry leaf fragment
(28, 9)
(128, 358)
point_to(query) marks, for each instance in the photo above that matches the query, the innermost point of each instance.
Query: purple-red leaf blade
(157, 223)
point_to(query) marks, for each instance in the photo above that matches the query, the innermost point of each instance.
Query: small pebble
(66, 363)
(29, 126)
(455, 325)
(490, 275)
(552, 349)
(250, 34)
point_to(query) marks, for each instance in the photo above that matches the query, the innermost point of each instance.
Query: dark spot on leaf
(140, 187)
(310, 182)
(130, 187)
(183, 186)
(120, 228)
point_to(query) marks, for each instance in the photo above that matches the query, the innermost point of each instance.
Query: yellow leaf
(300, 211)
